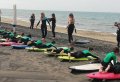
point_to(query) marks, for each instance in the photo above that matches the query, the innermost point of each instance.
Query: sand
(24, 66)
(90, 34)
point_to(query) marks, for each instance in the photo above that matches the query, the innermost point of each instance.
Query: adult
(53, 20)
(43, 20)
(32, 20)
(0, 17)
(118, 33)
(70, 27)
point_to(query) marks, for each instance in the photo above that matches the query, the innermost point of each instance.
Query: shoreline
(110, 37)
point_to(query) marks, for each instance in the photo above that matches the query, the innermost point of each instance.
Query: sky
(64, 5)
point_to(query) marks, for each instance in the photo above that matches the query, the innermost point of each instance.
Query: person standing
(70, 27)
(0, 17)
(118, 33)
(53, 20)
(32, 20)
(43, 20)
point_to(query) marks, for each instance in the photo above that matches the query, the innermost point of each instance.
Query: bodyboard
(107, 76)
(86, 67)
(3, 40)
(8, 43)
(71, 58)
(82, 41)
(37, 49)
(19, 46)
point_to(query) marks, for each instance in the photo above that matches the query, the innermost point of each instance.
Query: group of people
(106, 64)
(110, 60)
(44, 19)
(11, 36)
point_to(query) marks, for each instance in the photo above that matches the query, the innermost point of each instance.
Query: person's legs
(45, 32)
(56, 50)
(70, 32)
(118, 37)
(118, 40)
(32, 25)
(69, 36)
(77, 54)
(42, 31)
(0, 20)
(53, 31)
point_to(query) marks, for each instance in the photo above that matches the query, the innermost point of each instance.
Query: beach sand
(90, 34)
(23, 66)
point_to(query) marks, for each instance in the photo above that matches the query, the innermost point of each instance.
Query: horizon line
(63, 10)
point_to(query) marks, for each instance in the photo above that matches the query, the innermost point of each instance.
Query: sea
(90, 21)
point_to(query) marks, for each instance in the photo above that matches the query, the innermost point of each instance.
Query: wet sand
(36, 66)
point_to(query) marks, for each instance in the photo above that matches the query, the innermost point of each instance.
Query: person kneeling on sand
(84, 53)
(106, 64)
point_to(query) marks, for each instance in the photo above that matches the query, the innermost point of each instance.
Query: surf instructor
(106, 64)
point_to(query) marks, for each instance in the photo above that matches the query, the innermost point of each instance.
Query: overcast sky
(64, 5)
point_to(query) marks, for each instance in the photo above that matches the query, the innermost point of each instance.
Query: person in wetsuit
(43, 20)
(10, 36)
(118, 33)
(70, 27)
(53, 20)
(32, 20)
(61, 50)
(106, 64)
(84, 53)
(39, 44)
(25, 39)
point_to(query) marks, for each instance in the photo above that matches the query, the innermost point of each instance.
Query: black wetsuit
(70, 32)
(44, 26)
(107, 61)
(118, 37)
(84, 53)
(53, 25)
(32, 20)
(66, 50)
